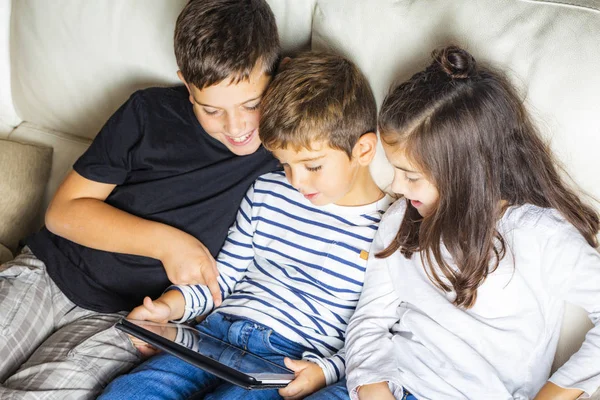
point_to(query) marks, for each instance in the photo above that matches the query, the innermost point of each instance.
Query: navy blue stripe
(308, 250)
(243, 232)
(376, 220)
(306, 234)
(315, 267)
(312, 222)
(243, 214)
(240, 244)
(337, 371)
(314, 210)
(223, 251)
(297, 292)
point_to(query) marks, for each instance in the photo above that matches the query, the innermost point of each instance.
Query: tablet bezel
(199, 360)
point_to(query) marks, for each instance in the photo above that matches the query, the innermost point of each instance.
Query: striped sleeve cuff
(186, 338)
(333, 367)
(198, 301)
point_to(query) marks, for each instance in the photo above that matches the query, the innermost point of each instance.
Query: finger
(291, 364)
(293, 389)
(147, 350)
(149, 304)
(213, 285)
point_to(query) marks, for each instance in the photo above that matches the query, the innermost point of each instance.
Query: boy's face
(229, 112)
(323, 175)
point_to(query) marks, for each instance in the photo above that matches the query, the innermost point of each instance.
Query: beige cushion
(5, 254)
(67, 149)
(96, 53)
(25, 170)
(551, 50)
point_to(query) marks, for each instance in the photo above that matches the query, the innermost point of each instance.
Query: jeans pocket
(280, 345)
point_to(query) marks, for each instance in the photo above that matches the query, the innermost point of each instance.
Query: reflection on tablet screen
(224, 353)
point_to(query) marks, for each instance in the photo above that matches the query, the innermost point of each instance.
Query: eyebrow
(311, 159)
(405, 170)
(208, 105)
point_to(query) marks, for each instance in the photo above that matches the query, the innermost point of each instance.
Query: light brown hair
(317, 97)
(225, 39)
(466, 127)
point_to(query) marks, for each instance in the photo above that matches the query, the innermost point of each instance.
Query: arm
(313, 372)
(78, 213)
(370, 352)
(571, 271)
(375, 391)
(233, 260)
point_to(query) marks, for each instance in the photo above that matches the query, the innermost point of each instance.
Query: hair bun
(457, 63)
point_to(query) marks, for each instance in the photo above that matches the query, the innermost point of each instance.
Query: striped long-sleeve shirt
(294, 267)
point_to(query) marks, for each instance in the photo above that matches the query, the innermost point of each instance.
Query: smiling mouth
(416, 203)
(241, 140)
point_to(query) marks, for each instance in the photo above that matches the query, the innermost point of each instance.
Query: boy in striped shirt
(292, 267)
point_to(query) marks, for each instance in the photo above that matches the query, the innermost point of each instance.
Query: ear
(187, 85)
(364, 149)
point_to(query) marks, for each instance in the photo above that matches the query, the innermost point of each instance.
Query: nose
(234, 124)
(398, 184)
(296, 179)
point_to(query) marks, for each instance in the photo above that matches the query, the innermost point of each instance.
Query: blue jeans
(167, 377)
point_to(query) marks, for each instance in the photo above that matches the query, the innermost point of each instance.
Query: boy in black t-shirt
(148, 204)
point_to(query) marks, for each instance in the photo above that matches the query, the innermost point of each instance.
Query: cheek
(252, 119)
(211, 125)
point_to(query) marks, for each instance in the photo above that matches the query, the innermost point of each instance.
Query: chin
(244, 151)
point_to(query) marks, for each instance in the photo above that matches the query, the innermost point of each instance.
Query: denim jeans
(167, 377)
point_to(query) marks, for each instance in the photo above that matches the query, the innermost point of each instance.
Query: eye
(210, 112)
(313, 169)
(252, 108)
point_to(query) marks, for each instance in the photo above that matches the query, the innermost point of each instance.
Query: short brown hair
(220, 39)
(317, 96)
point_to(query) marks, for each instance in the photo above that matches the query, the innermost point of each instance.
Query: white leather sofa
(66, 65)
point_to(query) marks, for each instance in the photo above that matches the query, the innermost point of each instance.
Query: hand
(160, 310)
(155, 311)
(379, 391)
(309, 378)
(550, 391)
(188, 262)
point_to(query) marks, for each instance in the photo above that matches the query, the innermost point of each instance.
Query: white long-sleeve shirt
(407, 332)
(294, 267)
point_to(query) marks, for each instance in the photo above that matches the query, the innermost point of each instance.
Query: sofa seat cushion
(25, 169)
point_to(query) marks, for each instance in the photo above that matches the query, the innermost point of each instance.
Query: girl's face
(410, 182)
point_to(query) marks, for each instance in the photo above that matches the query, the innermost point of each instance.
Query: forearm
(98, 225)
(174, 299)
(550, 391)
(379, 391)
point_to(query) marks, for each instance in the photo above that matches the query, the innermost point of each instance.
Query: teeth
(241, 138)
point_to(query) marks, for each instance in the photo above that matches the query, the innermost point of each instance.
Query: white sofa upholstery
(67, 65)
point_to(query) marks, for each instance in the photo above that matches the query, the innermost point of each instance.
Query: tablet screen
(262, 370)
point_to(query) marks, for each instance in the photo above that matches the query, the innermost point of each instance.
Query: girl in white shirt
(465, 295)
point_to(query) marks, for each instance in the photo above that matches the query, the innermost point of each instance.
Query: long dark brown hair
(466, 127)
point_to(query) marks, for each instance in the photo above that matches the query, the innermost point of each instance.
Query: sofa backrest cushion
(550, 50)
(75, 62)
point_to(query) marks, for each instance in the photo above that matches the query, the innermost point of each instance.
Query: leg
(76, 362)
(230, 391)
(30, 305)
(335, 391)
(167, 377)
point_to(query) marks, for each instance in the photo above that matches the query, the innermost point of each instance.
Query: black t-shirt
(167, 169)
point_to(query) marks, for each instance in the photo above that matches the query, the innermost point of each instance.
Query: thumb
(291, 364)
(149, 304)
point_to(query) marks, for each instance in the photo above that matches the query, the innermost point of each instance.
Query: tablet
(222, 359)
